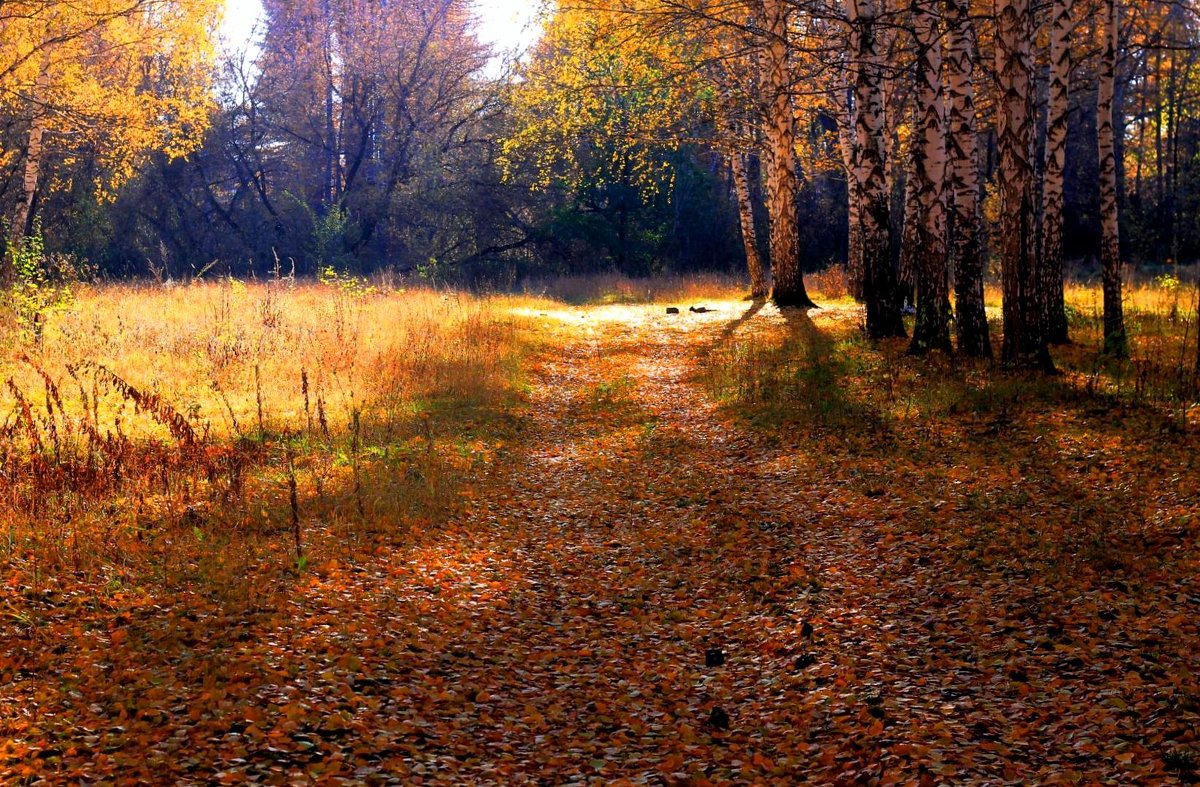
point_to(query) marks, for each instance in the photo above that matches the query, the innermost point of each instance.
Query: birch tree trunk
(1024, 340)
(846, 143)
(910, 223)
(880, 291)
(782, 178)
(966, 250)
(31, 176)
(1054, 313)
(1110, 237)
(759, 287)
(932, 276)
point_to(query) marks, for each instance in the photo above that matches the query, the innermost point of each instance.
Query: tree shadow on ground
(790, 374)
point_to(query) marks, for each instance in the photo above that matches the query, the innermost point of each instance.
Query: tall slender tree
(966, 249)
(731, 73)
(1110, 235)
(910, 217)
(1024, 337)
(782, 175)
(31, 172)
(881, 292)
(932, 328)
(1053, 307)
(759, 278)
(844, 101)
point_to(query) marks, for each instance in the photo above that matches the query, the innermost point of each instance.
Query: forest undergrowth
(289, 532)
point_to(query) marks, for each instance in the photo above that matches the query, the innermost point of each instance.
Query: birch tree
(844, 101)
(116, 78)
(966, 252)
(881, 292)
(1024, 338)
(759, 280)
(1110, 239)
(1053, 183)
(782, 175)
(932, 328)
(730, 71)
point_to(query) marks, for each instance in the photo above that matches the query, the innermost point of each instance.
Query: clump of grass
(1162, 365)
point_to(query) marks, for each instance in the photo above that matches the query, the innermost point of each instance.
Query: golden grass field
(152, 425)
(169, 434)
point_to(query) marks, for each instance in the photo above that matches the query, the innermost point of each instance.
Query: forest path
(641, 531)
(645, 527)
(579, 595)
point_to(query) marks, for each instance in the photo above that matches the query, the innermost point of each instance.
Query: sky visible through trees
(508, 26)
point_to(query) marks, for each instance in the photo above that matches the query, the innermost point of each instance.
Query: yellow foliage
(113, 77)
(606, 97)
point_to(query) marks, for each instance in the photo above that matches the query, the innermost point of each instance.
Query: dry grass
(202, 433)
(830, 351)
(615, 288)
(196, 432)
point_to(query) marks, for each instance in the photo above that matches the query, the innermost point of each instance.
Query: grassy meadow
(176, 433)
(172, 434)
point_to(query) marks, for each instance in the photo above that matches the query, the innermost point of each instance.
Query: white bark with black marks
(1110, 232)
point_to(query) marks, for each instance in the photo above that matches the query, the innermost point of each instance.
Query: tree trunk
(782, 178)
(1196, 372)
(1024, 340)
(741, 188)
(932, 328)
(1053, 305)
(846, 142)
(966, 250)
(22, 220)
(910, 223)
(332, 150)
(1110, 237)
(880, 288)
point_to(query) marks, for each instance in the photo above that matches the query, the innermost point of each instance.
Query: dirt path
(582, 594)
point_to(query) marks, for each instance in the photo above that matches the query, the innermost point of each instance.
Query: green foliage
(41, 284)
(1168, 282)
(329, 237)
(342, 280)
(433, 271)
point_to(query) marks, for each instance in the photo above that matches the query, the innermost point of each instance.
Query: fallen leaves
(691, 604)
